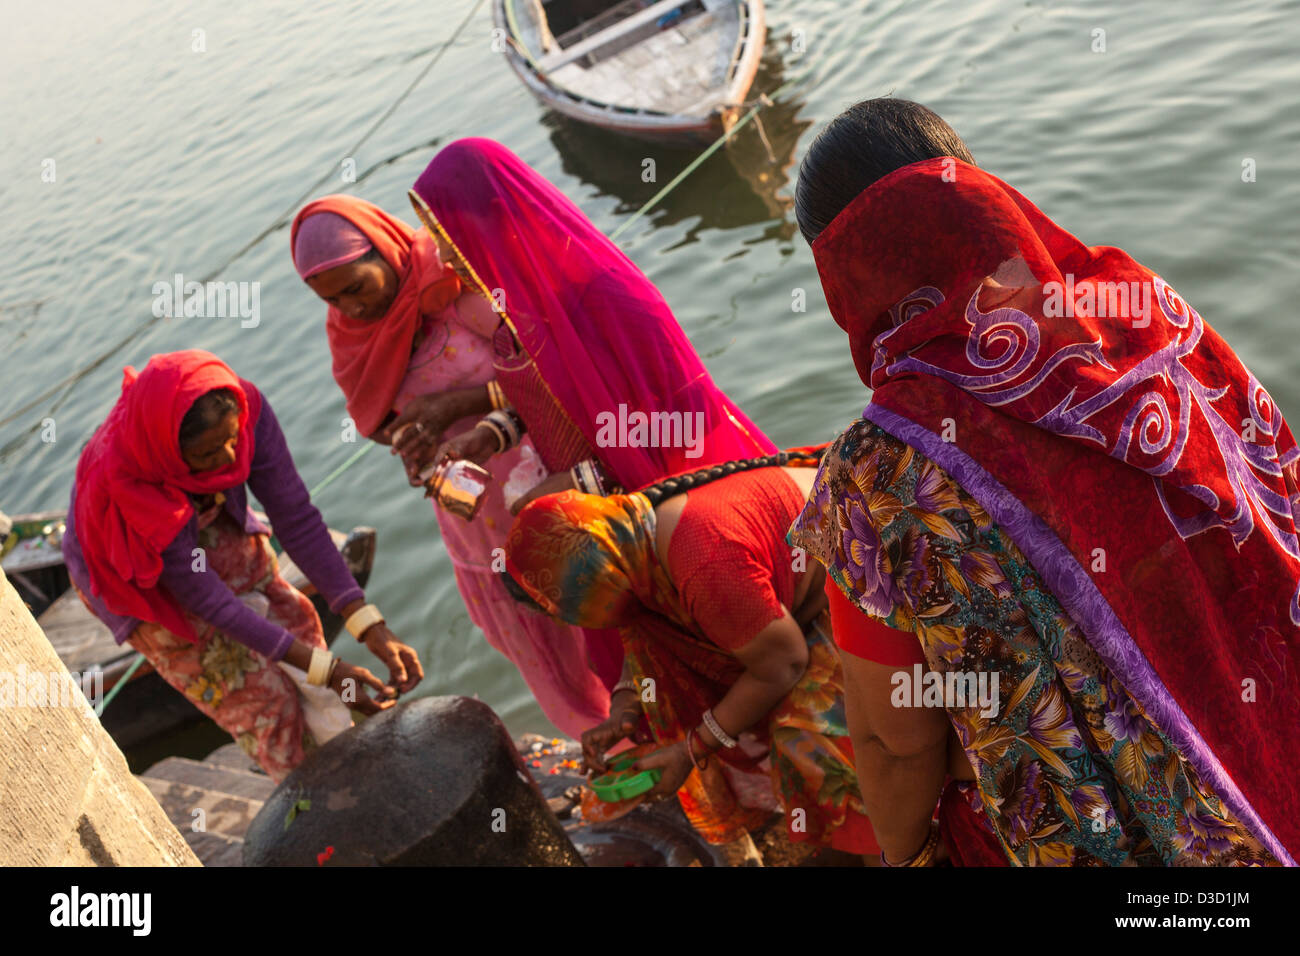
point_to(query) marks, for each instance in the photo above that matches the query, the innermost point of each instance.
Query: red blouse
(728, 557)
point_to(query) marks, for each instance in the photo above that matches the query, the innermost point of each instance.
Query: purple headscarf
(326, 240)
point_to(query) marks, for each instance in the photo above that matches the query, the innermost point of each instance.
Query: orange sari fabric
(591, 561)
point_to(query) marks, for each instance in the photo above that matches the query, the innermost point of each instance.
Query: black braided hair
(676, 485)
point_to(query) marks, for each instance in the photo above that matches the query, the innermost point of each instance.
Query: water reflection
(740, 185)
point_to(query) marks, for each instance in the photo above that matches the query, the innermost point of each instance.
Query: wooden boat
(146, 708)
(674, 70)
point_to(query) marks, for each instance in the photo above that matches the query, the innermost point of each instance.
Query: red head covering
(133, 485)
(371, 357)
(1114, 435)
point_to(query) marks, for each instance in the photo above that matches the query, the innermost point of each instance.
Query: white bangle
(318, 671)
(361, 619)
(715, 728)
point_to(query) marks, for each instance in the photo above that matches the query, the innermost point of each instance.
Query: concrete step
(232, 756)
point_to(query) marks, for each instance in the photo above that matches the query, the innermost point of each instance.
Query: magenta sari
(601, 338)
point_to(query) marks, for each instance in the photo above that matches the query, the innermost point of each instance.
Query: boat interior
(670, 56)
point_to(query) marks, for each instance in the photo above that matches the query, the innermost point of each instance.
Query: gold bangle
(922, 857)
(495, 429)
(497, 396)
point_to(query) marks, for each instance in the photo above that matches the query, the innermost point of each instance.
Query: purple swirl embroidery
(1004, 343)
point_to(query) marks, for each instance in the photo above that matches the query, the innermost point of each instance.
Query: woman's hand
(556, 483)
(418, 430)
(350, 681)
(674, 761)
(624, 715)
(476, 445)
(404, 670)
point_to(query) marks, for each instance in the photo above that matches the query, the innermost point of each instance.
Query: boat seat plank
(82, 641)
(554, 61)
(674, 70)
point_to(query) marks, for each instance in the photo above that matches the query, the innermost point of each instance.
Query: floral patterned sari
(591, 561)
(1071, 770)
(246, 694)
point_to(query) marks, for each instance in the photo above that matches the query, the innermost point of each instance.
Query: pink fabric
(326, 240)
(369, 357)
(598, 330)
(562, 665)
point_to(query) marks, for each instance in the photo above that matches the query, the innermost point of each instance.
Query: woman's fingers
(391, 656)
(594, 745)
(370, 680)
(414, 672)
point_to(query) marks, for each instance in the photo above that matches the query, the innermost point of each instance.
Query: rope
(763, 101)
(108, 698)
(279, 221)
(329, 479)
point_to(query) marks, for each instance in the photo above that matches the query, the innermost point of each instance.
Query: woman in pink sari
(417, 340)
(401, 334)
(586, 350)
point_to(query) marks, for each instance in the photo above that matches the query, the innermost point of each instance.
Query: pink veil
(598, 330)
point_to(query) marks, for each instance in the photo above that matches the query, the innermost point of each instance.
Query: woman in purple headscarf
(513, 309)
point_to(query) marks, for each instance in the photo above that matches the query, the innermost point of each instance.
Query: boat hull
(676, 129)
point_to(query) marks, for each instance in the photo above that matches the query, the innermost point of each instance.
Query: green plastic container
(621, 783)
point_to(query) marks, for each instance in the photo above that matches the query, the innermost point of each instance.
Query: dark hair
(207, 411)
(679, 484)
(864, 143)
(516, 591)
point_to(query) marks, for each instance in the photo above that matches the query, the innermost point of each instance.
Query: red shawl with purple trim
(1100, 400)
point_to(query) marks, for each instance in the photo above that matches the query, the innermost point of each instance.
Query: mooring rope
(762, 102)
(279, 221)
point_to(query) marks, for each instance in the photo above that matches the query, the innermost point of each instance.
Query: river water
(168, 159)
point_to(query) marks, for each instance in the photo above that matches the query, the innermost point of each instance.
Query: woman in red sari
(1068, 490)
(162, 546)
(727, 653)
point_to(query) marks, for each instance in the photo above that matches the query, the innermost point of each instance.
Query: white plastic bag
(325, 714)
(525, 476)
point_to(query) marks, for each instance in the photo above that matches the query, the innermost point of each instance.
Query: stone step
(216, 849)
(233, 757)
(207, 776)
(224, 814)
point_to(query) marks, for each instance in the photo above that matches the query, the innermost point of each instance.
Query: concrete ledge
(68, 797)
